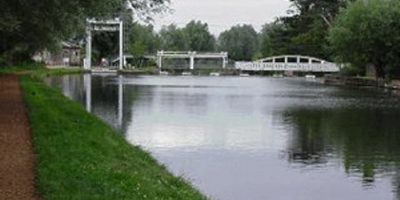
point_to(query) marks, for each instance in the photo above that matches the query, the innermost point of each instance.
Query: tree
(143, 40)
(27, 27)
(195, 36)
(173, 38)
(304, 31)
(241, 42)
(367, 33)
(199, 37)
(271, 40)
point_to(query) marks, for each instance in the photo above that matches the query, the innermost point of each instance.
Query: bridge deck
(283, 63)
(191, 55)
(305, 67)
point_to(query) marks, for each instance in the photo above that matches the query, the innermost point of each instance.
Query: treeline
(305, 31)
(357, 33)
(27, 27)
(242, 41)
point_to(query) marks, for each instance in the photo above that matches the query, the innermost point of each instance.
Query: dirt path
(17, 160)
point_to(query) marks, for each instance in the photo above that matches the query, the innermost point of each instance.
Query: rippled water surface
(249, 138)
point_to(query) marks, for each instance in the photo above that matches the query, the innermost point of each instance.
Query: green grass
(81, 157)
(38, 70)
(21, 68)
(142, 71)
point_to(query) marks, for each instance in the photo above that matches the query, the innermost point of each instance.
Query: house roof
(70, 45)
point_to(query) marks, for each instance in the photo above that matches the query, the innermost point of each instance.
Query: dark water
(256, 138)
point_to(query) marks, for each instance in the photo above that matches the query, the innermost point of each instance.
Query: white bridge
(289, 63)
(192, 55)
(113, 25)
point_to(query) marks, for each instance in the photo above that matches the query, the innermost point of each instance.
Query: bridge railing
(303, 67)
(192, 55)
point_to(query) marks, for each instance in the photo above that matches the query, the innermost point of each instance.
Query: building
(69, 55)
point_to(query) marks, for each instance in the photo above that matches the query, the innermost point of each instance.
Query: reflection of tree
(104, 95)
(307, 144)
(396, 183)
(105, 99)
(132, 94)
(72, 86)
(368, 139)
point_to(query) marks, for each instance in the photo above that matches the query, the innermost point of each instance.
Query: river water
(254, 138)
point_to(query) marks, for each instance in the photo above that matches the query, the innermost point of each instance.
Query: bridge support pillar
(159, 59)
(224, 59)
(121, 46)
(191, 61)
(87, 64)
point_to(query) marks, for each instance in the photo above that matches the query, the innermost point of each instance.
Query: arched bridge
(289, 63)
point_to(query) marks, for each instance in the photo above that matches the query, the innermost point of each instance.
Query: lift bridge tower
(122, 25)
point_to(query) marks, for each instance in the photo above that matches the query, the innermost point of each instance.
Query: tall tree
(143, 40)
(195, 36)
(241, 42)
(272, 39)
(199, 37)
(173, 38)
(305, 30)
(367, 33)
(30, 26)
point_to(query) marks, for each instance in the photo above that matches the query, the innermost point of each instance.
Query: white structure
(115, 25)
(192, 55)
(289, 63)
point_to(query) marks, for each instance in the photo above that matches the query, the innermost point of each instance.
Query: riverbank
(80, 157)
(360, 82)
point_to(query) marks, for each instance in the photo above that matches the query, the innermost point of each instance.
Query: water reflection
(255, 138)
(371, 149)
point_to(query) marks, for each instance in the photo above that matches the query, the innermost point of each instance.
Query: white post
(224, 55)
(159, 59)
(121, 46)
(286, 63)
(191, 54)
(120, 100)
(87, 65)
(87, 79)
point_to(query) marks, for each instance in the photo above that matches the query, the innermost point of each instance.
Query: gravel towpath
(17, 159)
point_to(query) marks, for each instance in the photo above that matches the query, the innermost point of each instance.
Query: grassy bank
(81, 157)
(38, 70)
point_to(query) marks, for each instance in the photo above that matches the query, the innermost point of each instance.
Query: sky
(222, 14)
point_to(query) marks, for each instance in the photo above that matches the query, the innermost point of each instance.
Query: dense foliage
(199, 37)
(143, 40)
(241, 42)
(304, 31)
(30, 26)
(195, 36)
(368, 33)
(363, 34)
(173, 38)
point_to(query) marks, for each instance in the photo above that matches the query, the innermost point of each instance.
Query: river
(255, 138)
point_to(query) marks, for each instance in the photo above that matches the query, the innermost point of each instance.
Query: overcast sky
(222, 14)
